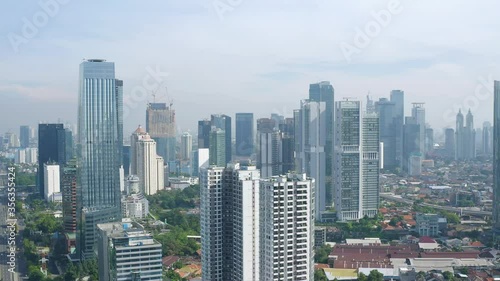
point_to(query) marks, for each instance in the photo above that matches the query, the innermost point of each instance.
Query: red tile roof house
(168, 261)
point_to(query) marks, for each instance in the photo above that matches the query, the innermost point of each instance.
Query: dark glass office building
(51, 148)
(24, 136)
(204, 127)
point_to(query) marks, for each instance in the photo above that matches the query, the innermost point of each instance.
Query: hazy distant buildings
(449, 143)
(465, 136)
(310, 127)
(398, 98)
(223, 122)
(24, 136)
(388, 123)
(100, 133)
(411, 142)
(418, 115)
(496, 162)
(429, 140)
(269, 149)
(26, 155)
(287, 130)
(186, 146)
(487, 139)
(160, 124)
(51, 148)
(415, 164)
(244, 134)
(324, 92)
(356, 170)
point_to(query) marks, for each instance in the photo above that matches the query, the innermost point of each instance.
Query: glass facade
(244, 134)
(100, 132)
(51, 148)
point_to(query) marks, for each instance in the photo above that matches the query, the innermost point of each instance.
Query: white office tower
(160, 172)
(200, 160)
(310, 155)
(357, 161)
(20, 157)
(148, 165)
(243, 183)
(211, 222)
(269, 152)
(135, 206)
(52, 184)
(122, 179)
(137, 135)
(186, 146)
(31, 155)
(287, 228)
(127, 252)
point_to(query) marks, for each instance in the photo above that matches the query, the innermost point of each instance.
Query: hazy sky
(228, 56)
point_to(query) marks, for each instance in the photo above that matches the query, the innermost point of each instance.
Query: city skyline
(428, 68)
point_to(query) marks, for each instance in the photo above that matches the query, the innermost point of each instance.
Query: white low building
(52, 181)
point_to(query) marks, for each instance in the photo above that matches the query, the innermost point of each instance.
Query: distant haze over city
(218, 57)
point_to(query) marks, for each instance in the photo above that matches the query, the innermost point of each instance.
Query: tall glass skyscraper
(356, 171)
(324, 92)
(100, 141)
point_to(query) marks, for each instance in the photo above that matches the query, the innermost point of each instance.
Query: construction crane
(170, 101)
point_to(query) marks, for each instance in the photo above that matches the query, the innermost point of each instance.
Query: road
(463, 211)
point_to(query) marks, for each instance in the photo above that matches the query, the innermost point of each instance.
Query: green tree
(420, 276)
(23, 179)
(375, 276)
(319, 275)
(448, 276)
(451, 217)
(362, 277)
(322, 253)
(34, 274)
